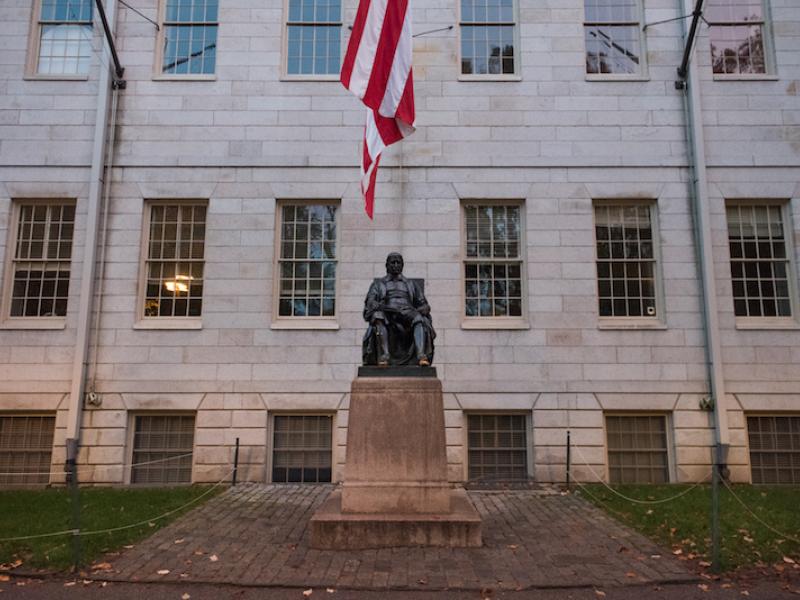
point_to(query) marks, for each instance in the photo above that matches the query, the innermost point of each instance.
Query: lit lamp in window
(179, 284)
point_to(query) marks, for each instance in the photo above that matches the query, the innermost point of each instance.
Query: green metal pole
(715, 533)
(75, 501)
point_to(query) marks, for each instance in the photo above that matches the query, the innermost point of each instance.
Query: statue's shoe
(424, 362)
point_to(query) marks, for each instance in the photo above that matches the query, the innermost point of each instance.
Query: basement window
(301, 450)
(26, 449)
(637, 449)
(497, 447)
(774, 448)
(162, 449)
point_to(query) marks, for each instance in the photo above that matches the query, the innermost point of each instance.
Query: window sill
(489, 78)
(609, 324)
(766, 323)
(616, 78)
(494, 323)
(174, 324)
(38, 77)
(300, 323)
(742, 77)
(188, 77)
(44, 323)
(309, 78)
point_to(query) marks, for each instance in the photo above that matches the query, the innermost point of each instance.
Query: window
(488, 37)
(313, 33)
(497, 447)
(736, 29)
(189, 37)
(301, 450)
(162, 449)
(26, 449)
(493, 260)
(307, 263)
(774, 448)
(63, 37)
(40, 269)
(637, 449)
(760, 261)
(626, 260)
(174, 260)
(613, 37)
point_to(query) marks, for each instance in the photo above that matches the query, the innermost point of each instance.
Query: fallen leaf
(649, 511)
(655, 556)
(726, 586)
(103, 566)
(704, 563)
(308, 592)
(179, 541)
(151, 524)
(677, 552)
(744, 593)
(703, 586)
(199, 552)
(512, 546)
(5, 578)
(87, 582)
(747, 539)
(213, 558)
(69, 584)
(185, 597)
(630, 574)
(163, 571)
(183, 575)
(330, 590)
(128, 547)
(788, 560)
(600, 593)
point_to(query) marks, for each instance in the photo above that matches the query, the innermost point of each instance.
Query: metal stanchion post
(715, 533)
(235, 462)
(72, 482)
(569, 456)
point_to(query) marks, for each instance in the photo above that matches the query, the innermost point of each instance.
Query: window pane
(612, 49)
(637, 449)
(314, 37)
(497, 447)
(487, 37)
(737, 49)
(302, 449)
(774, 448)
(26, 446)
(162, 449)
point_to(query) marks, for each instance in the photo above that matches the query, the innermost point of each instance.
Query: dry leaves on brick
(163, 571)
(308, 592)
(213, 558)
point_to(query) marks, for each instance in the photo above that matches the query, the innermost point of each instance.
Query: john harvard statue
(400, 330)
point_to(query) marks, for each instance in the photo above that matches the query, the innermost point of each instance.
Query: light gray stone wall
(250, 137)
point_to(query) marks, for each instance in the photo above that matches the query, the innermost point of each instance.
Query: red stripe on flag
(369, 192)
(355, 41)
(405, 110)
(385, 53)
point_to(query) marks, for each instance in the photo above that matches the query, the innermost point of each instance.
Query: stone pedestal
(395, 490)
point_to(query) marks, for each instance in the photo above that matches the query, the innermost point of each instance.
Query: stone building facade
(547, 198)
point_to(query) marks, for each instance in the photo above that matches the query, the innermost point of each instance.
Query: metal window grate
(190, 37)
(497, 447)
(774, 448)
(626, 263)
(174, 268)
(759, 261)
(493, 264)
(41, 266)
(612, 34)
(308, 261)
(301, 450)
(488, 28)
(314, 30)
(736, 29)
(637, 449)
(26, 449)
(160, 437)
(65, 37)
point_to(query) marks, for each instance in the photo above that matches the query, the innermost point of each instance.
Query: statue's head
(394, 263)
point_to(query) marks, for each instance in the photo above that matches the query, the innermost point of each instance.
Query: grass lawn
(30, 512)
(684, 524)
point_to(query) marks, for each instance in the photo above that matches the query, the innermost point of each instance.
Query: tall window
(314, 30)
(64, 37)
(497, 447)
(162, 449)
(41, 260)
(637, 449)
(301, 449)
(174, 263)
(307, 263)
(26, 449)
(737, 29)
(488, 32)
(190, 37)
(493, 260)
(613, 37)
(760, 261)
(626, 260)
(774, 448)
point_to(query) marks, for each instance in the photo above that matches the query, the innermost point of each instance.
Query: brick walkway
(257, 535)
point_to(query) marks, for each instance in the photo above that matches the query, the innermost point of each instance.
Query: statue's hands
(424, 310)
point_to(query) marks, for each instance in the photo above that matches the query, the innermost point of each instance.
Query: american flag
(377, 69)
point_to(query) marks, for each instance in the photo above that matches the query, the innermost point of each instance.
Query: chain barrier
(756, 517)
(98, 467)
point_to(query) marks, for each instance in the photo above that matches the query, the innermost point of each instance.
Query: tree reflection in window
(736, 29)
(612, 35)
(487, 37)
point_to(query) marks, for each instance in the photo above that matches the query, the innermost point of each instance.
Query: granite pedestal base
(395, 490)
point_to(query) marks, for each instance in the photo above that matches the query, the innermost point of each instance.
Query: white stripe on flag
(401, 66)
(365, 58)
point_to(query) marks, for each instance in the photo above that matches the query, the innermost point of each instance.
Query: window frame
(7, 321)
(517, 74)
(768, 414)
(289, 322)
(285, 75)
(131, 436)
(173, 322)
(669, 434)
(644, 72)
(530, 466)
(34, 48)
(270, 459)
(520, 322)
(659, 321)
(770, 62)
(51, 470)
(769, 322)
(158, 55)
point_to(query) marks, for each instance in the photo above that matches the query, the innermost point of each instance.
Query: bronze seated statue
(400, 328)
